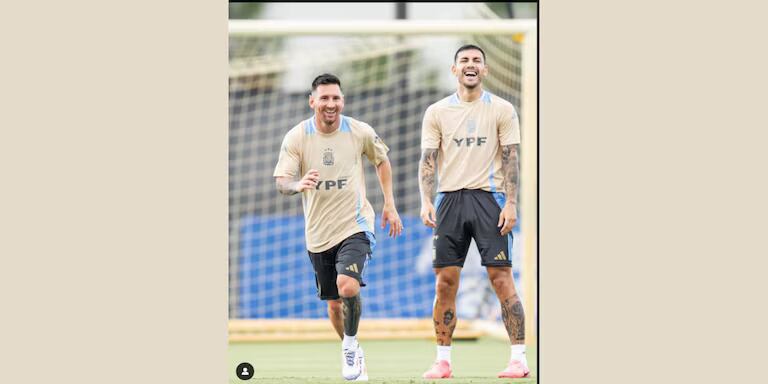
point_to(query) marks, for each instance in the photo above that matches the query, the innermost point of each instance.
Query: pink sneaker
(440, 370)
(515, 370)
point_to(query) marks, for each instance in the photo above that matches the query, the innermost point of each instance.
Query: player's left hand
(507, 219)
(389, 215)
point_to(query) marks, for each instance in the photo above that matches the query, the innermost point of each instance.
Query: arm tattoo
(427, 169)
(511, 172)
(514, 319)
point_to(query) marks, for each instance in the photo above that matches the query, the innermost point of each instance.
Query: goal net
(390, 73)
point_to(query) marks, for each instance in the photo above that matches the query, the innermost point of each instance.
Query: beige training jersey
(468, 136)
(337, 208)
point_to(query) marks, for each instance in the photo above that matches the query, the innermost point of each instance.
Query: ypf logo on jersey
(328, 157)
(331, 184)
(470, 141)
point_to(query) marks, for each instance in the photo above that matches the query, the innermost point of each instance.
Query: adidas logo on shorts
(500, 256)
(352, 268)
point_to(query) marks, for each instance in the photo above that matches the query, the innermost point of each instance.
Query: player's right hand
(309, 181)
(428, 215)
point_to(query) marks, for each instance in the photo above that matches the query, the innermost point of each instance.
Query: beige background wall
(113, 227)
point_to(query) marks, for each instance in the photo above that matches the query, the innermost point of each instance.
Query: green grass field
(389, 362)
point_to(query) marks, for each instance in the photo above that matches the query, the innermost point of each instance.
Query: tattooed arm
(427, 169)
(511, 171)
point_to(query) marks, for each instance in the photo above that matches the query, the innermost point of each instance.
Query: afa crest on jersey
(328, 157)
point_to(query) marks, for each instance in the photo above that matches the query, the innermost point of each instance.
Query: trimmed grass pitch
(389, 361)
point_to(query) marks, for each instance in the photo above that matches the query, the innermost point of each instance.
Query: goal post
(391, 70)
(380, 27)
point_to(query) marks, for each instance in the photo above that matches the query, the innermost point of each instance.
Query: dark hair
(325, 78)
(466, 48)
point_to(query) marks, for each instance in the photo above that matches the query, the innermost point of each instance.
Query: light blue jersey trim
(361, 222)
(309, 126)
(490, 179)
(486, 97)
(487, 100)
(344, 124)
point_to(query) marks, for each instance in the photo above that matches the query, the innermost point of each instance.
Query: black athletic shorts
(466, 214)
(346, 258)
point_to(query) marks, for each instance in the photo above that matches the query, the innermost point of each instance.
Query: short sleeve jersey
(337, 208)
(469, 136)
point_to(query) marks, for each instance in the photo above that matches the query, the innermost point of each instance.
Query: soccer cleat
(515, 370)
(440, 370)
(350, 363)
(363, 369)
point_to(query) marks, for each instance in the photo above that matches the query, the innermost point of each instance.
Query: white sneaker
(363, 369)
(350, 363)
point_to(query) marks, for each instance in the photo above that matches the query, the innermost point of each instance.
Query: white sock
(349, 341)
(518, 354)
(444, 353)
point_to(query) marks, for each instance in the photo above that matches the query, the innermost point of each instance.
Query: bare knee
(347, 286)
(502, 282)
(446, 286)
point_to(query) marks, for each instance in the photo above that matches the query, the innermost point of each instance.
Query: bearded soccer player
(471, 139)
(321, 158)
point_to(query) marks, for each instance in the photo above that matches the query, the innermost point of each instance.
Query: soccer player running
(471, 138)
(321, 159)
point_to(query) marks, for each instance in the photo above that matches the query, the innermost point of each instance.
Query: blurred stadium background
(390, 73)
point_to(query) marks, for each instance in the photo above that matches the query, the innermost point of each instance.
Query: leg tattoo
(444, 327)
(352, 310)
(514, 319)
(447, 317)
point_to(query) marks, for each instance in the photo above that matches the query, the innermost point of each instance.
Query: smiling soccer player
(326, 149)
(471, 138)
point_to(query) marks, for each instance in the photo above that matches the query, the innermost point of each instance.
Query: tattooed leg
(511, 308)
(514, 319)
(352, 310)
(444, 313)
